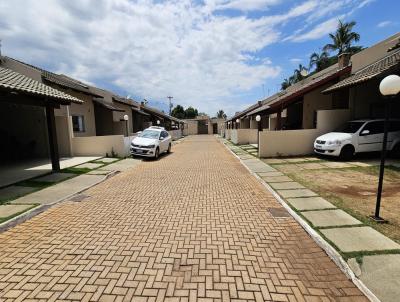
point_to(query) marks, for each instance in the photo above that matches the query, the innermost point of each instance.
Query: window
(350, 127)
(78, 123)
(374, 127)
(164, 134)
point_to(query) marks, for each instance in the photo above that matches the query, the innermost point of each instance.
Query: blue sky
(211, 54)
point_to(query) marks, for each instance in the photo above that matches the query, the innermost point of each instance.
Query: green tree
(221, 114)
(319, 60)
(190, 112)
(178, 112)
(343, 38)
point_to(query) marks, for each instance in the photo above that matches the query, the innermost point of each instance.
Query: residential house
(28, 123)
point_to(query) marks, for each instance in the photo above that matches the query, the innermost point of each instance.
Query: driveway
(193, 225)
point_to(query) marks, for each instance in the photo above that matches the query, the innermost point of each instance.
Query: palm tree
(319, 60)
(343, 37)
(285, 84)
(298, 76)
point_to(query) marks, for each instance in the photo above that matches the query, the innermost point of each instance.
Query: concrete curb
(41, 208)
(330, 251)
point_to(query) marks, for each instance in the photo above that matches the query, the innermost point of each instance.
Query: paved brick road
(191, 225)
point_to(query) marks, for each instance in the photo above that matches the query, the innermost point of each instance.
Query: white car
(151, 142)
(359, 136)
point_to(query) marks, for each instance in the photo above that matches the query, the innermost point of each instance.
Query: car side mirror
(365, 132)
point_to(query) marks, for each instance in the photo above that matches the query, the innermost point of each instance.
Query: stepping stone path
(89, 165)
(107, 160)
(60, 190)
(12, 192)
(11, 209)
(380, 273)
(271, 179)
(122, 165)
(54, 177)
(330, 218)
(359, 239)
(286, 185)
(310, 203)
(296, 193)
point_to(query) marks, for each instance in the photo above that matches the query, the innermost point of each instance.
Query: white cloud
(385, 24)
(152, 49)
(317, 32)
(242, 5)
(295, 60)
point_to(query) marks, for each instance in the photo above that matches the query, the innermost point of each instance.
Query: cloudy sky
(211, 54)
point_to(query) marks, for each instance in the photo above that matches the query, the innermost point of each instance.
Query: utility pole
(170, 104)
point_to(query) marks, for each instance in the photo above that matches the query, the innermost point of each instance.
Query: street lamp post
(258, 119)
(389, 88)
(126, 118)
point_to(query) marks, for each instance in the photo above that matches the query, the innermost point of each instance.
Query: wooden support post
(51, 129)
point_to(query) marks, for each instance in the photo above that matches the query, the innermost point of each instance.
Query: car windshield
(150, 134)
(350, 127)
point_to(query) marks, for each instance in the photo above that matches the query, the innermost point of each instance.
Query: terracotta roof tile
(369, 72)
(14, 81)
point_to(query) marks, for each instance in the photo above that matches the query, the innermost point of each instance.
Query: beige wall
(98, 145)
(175, 134)
(300, 142)
(244, 136)
(228, 133)
(313, 102)
(373, 53)
(86, 110)
(120, 126)
(191, 127)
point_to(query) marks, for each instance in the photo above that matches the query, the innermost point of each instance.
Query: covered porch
(29, 122)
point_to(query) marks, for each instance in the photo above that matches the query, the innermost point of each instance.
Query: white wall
(100, 145)
(228, 133)
(175, 134)
(300, 142)
(244, 136)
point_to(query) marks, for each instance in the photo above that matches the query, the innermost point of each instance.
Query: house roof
(14, 81)
(245, 111)
(299, 89)
(160, 113)
(371, 71)
(106, 105)
(59, 79)
(140, 111)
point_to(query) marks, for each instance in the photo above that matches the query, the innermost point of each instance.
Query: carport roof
(14, 81)
(371, 71)
(59, 79)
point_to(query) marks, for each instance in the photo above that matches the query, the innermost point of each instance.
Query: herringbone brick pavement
(192, 226)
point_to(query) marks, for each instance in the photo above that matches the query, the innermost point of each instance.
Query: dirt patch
(354, 190)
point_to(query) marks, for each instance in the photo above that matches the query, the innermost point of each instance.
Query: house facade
(293, 118)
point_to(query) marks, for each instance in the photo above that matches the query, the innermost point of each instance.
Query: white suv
(151, 142)
(359, 136)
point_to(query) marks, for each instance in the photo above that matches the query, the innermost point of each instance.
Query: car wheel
(347, 153)
(169, 149)
(396, 151)
(157, 154)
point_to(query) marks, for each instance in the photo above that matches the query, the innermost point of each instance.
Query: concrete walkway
(348, 234)
(192, 226)
(13, 173)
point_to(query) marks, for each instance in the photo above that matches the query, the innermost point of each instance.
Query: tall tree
(298, 73)
(221, 114)
(343, 38)
(319, 60)
(178, 112)
(190, 112)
